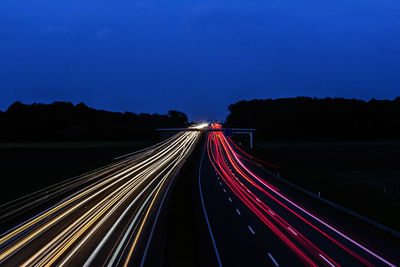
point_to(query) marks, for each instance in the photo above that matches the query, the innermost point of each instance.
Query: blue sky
(196, 56)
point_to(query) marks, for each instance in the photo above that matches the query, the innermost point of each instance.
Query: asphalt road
(254, 221)
(101, 218)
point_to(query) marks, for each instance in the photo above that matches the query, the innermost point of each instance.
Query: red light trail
(220, 151)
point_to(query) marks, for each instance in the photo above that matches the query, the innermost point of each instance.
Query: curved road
(100, 218)
(253, 221)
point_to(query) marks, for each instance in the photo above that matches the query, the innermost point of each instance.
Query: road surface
(101, 218)
(253, 222)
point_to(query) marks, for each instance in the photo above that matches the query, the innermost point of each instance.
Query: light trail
(227, 162)
(78, 228)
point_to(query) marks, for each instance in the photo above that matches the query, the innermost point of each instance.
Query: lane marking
(276, 191)
(238, 212)
(325, 259)
(220, 183)
(109, 233)
(251, 230)
(273, 214)
(224, 190)
(205, 212)
(291, 230)
(258, 200)
(127, 235)
(230, 199)
(273, 260)
(156, 219)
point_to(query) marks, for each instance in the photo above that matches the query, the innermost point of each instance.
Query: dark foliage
(63, 121)
(313, 118)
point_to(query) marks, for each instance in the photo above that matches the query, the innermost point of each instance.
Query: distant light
(200, 126)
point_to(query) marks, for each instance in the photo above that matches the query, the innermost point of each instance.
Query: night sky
(196, 56)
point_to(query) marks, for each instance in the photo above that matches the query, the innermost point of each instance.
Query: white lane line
(273, 260)
(291, 230)
(205, 212)
(147, 200)
(220, 183)
(251, 230)
(230, 199)
(109, 233)
(325, 259)
(258, 200)
(155, 220)
(127, 233)
(238, 212)
(273, 214)
(224, 190)
(318, 219)
(248, 190)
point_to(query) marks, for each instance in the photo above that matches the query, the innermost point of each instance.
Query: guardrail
(205, 129)
(337, 206)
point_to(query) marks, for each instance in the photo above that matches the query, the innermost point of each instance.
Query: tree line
(314, 118)
(64, 121)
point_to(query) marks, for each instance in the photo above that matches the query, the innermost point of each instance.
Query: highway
(100, 218)
(253, 220)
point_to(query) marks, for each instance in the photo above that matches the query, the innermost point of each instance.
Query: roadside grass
(362, 176)
(28, 167)
(39, 145)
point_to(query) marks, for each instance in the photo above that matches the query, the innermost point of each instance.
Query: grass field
(363, 176)
(27, 167)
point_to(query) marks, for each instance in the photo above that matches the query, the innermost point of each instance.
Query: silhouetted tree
(65, 121)
(177, 118)
(313, 118)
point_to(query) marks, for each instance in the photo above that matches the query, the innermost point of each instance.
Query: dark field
(362, 176)
(27, 167)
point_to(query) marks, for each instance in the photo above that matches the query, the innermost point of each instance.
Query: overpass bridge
(226, 131)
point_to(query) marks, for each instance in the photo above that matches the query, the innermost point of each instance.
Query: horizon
(189, 118)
